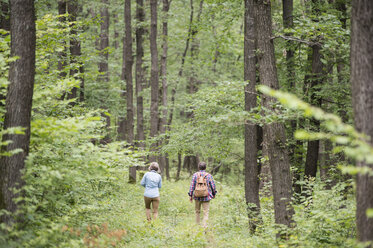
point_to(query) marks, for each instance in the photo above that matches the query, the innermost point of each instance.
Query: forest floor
(176, 226)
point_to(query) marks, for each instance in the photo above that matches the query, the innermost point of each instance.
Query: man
(202, 201)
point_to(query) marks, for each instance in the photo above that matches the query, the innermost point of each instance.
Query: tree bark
(75, 51)
(181, 70)
(163, 119)
(316, 79)
(251, 165)
(103, 65)
(140, 16)
(274, 134)
(178, 166)
(62, 55)
(116, 33)
(18, 103)
(127, 71)
(154, 79)
(362, 99)
(4, 15)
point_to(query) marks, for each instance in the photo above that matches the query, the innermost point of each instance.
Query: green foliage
(353, 143)
(216, 126)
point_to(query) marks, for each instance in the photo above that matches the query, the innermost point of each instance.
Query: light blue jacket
(152, 181)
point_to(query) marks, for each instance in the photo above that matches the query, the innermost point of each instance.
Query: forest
(276, 96)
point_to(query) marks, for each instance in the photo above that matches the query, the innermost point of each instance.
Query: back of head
(202, 166)
(154, 166)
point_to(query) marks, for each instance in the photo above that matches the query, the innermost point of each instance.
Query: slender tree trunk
(163, 119)
(116, 33)
(317, 78)
(192, 84)
(178, 166)
(4, 15)
(251, 165)
(127, 71)
(103, 65)
(18, 103)
(140, 16)
(194, 49)
(362, 100)
(75, 51)
(154, 79)
(62, 55)
(274, 134)
(181, 70)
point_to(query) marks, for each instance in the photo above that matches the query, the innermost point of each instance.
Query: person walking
(152, 182)
(202, 199)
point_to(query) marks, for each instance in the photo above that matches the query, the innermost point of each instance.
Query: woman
(152, 181)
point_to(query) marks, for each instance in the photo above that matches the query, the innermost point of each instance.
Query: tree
(140, 17)
(127, 71)
(362, 92)
(73, 8)
(191, 161)
(163, 119)
(4, 15)
(273, 133)
(154, 79)
(18, 103)
(62, 5)
(103, 66)
(315, 79)
(251, 165)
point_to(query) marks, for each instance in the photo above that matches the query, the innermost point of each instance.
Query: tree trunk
(194, 49)
(274, 134)
(163, 119)
(192, 84)
(154, 80)
(178, 166)
(181, 70)
(62, 55)
(116, 33)
(19, 102)
(73, 8)
(315, 80)
(140, 16)
(251, 165)
(103, 65)
(127, 71)
(4, 15)
(362, 99)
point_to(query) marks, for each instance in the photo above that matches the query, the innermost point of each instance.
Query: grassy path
(228, 223)
(175, 226)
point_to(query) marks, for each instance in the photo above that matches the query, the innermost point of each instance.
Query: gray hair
(154, 166)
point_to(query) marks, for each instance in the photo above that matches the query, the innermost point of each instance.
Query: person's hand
(191, 199)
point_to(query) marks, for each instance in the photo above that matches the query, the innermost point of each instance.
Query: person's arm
(143, 180)
(213, 186)
(160, 183)
(192, 186)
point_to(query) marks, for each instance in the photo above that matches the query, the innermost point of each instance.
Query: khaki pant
(205, 207)
(155, 203)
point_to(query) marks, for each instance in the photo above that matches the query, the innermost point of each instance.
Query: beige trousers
(205, 207)
(155, 203)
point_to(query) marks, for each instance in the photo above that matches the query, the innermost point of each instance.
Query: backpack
(201, 186)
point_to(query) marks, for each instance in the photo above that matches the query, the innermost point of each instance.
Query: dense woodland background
(276, 96)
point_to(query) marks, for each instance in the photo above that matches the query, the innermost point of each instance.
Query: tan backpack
(201, 186)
